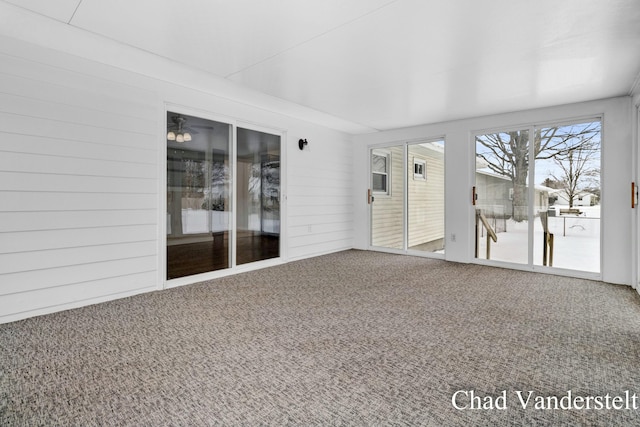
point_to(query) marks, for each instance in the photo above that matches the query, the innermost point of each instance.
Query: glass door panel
(425, 197)
(258, 196)
(502, 197)
(198, 205)
(407, 197)
(539, 204)
(387, 190)
(567, 176)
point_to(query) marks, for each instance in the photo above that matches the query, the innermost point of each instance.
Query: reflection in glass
(198, 205)
(258, 188)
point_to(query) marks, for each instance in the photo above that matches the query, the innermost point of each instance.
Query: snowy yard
(576, 241)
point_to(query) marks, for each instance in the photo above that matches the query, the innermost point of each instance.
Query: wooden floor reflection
(212, 253)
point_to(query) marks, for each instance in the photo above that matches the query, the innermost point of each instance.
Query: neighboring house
(583, 198)
(495, 195)
(425, 179)
(426, 196)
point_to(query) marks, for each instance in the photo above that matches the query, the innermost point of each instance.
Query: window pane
(379, 182)
(258, 186)
(425, 204)
(379, 163)
(567, 171)
(198, 205)
(387, 209)
(502, 162)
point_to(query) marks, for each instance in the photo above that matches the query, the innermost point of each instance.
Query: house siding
(320, 209)
(82, 179)
(425, 209)
(78, 173)
(426, 197)
(387, 215)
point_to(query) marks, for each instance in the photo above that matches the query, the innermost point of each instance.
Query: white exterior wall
(83, 166)
(78, 184)
(617, 168)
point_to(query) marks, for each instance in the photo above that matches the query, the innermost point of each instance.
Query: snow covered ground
(576, 241)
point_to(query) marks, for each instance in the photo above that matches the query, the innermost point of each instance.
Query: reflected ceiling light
(180, 134)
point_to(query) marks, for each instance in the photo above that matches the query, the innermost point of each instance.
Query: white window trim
(386, 154)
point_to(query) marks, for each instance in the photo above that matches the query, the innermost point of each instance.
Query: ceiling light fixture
(180, 134)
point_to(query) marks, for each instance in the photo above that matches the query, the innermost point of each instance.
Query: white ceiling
(386, 64)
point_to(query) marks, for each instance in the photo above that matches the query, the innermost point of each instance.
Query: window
(380, 168)
(419, 169)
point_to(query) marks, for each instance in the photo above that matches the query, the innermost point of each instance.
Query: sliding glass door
(502, 200)
(387, 197)
(407, 197)
(567, 174)
(537, 196)
(258, 190)
(425, 196)
(198, 188)
(201, 177)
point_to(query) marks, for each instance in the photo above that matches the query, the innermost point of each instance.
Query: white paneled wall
(82, 176)
(320, 201)
(78, 188)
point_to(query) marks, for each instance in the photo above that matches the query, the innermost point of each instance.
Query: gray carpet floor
(352, 338)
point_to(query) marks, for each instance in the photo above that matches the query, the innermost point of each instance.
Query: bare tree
(507, 154)
(577, 168)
